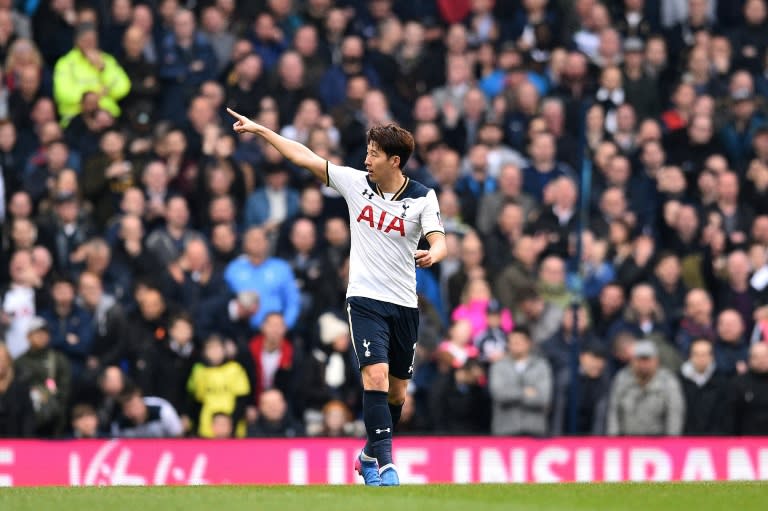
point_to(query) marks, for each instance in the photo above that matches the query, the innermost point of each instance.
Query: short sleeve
(430, 216)
(341, 179)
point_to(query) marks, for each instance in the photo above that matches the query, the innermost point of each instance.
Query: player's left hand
(423, 258)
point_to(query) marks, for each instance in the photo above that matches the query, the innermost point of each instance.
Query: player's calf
(378, 424)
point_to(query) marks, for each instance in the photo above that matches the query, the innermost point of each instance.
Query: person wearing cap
(86, 68)
(491, 342)
(746, 118)
(642, 90)
(48, 374)
(646, 399)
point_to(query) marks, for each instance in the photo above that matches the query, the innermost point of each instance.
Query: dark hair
(181, 316)
(666, 254)
(213, 338)
(393, 141)
(527, 293)
(522, 330)
(129, 392)
(221, 414)
(704, 340)
(82, 410)
(62, 279)
(596, 349)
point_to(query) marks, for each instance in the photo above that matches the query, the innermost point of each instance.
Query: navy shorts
(383, 332)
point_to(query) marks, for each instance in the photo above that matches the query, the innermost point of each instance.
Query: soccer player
(388, 214)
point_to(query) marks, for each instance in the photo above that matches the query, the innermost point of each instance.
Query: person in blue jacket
(270, 277)
(186, 61)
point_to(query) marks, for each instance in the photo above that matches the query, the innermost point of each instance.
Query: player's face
(378, 164)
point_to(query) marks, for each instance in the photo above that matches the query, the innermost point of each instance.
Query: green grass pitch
(564, 497)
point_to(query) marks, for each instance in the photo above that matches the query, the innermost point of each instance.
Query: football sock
(378, 424)
(395, 411)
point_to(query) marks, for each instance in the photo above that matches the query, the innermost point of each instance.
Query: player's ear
(395, 161)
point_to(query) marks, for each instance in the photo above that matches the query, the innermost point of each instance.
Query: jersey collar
(397, 194)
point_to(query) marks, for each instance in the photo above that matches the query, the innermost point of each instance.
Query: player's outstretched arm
(298, 154)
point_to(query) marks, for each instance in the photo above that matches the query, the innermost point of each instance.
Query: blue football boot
(369, 470)
(389, 475)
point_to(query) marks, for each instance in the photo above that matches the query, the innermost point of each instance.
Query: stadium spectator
(491, 342)
(70, 326)
(646, 399)
(329, 373)
(219, 386)
(173, 358)
(193, 282)
(460, 400)
(221, 426)
(278, 292)
(268, 207)
(147, 327)
(186, 59)
(509, 189)
(551, 282)
(166, 243)
(145, 417)
(697, 321)
(474, 307)
(86, 68)
(85, 422)
(748, 405)
(22, 298)
(337, 421)
(272, 358)
(332, 85)
(705, 391)
(111, 383)
(141, 102)
(521, 389)
(591, 400)
(17, 415)
(520, 273)
(66, 232)
(107, 323)
(274, 419)
(541, 318)
(558, 348)
(49, 377)
(731, 345)
(247, 88)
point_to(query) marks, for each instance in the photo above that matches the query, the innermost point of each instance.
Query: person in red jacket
(272, 355)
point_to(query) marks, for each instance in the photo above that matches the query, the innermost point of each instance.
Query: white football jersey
(384, 234)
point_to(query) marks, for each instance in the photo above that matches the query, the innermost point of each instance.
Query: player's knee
(375, 377)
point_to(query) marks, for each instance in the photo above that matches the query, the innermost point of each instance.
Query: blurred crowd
(602, 172)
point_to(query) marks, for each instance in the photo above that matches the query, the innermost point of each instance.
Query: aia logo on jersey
(384, 222)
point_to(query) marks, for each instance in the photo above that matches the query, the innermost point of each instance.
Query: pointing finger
(235, 114)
